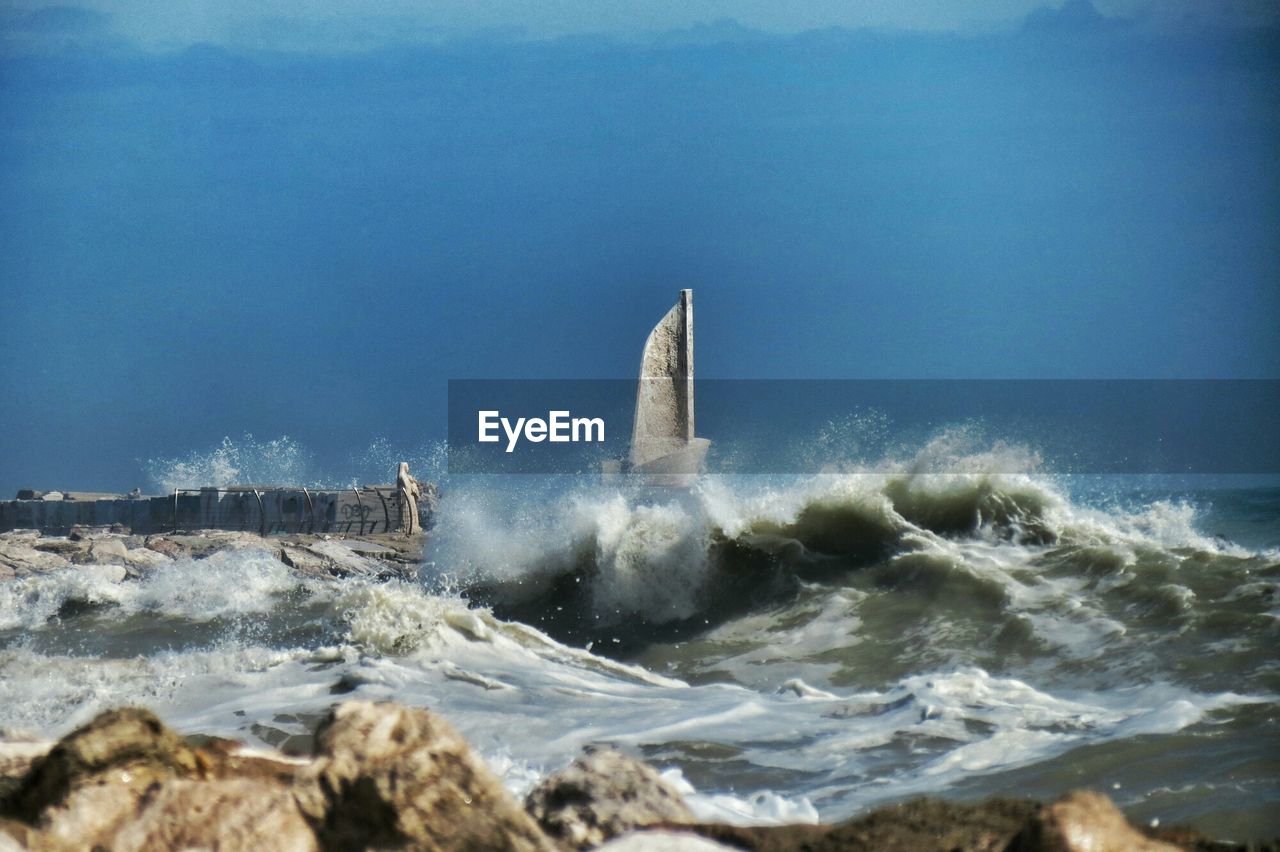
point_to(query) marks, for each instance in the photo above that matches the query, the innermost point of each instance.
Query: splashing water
(792, 647)
(243, 461)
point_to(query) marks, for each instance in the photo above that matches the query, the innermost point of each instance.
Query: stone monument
(664, 446)
(409, 492)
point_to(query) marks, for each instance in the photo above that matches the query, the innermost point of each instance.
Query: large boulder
(164, 546)
(14, 836)
(88, 818)
(127, 750)
(329, 559)
(1076, 823)
(20, 558)
(602, 795)
(126, 782)
(385, 775)
(64, 547)
(107, 551)
(145, 558)
(18, 754)
(230, 815)
(1083, 821)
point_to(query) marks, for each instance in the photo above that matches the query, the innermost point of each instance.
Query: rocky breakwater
(119, 556)
(387, 776)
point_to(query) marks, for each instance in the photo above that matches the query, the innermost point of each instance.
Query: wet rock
(25, 552)
(145, 558)
(64, 547)
(106, 551)
(387, 775)
(86, 819)
(916, 825)
(164, 546)
(663, 841)
(19, 558)
(304, 561)
(124, 750)
(1083, 821)
(343, 561)
(336, 560)
(602, 795)
(17, 756)
(124, 781)
(14, 836)
(227, 814)
(391, 551)
(372, 549)
(206, 544)
(216, 541)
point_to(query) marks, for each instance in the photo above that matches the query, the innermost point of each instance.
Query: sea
(785, 648)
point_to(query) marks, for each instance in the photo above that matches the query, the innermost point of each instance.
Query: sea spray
(831, 640)
(242, 461)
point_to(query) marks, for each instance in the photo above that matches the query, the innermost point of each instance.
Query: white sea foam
(763, 807)
(229, 583)
(948, 551)
(530, 704)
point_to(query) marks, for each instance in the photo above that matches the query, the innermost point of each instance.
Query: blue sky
(220, 223)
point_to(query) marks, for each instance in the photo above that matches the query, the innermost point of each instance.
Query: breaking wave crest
(599, 557)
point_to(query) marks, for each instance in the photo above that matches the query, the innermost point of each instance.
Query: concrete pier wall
(365, 510)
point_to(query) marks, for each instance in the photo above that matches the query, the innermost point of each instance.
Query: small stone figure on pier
(409, 492)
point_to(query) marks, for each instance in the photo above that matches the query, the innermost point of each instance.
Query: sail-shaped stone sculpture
(663, 441)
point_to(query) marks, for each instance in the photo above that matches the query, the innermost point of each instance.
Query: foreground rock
(602, 795)
(385, 776)
(125, 749)
(235, 813)
(19, 557)
(921, 824)
(1083, 821)
(119, 781)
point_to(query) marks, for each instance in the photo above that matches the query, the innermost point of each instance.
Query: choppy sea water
(790, 648)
